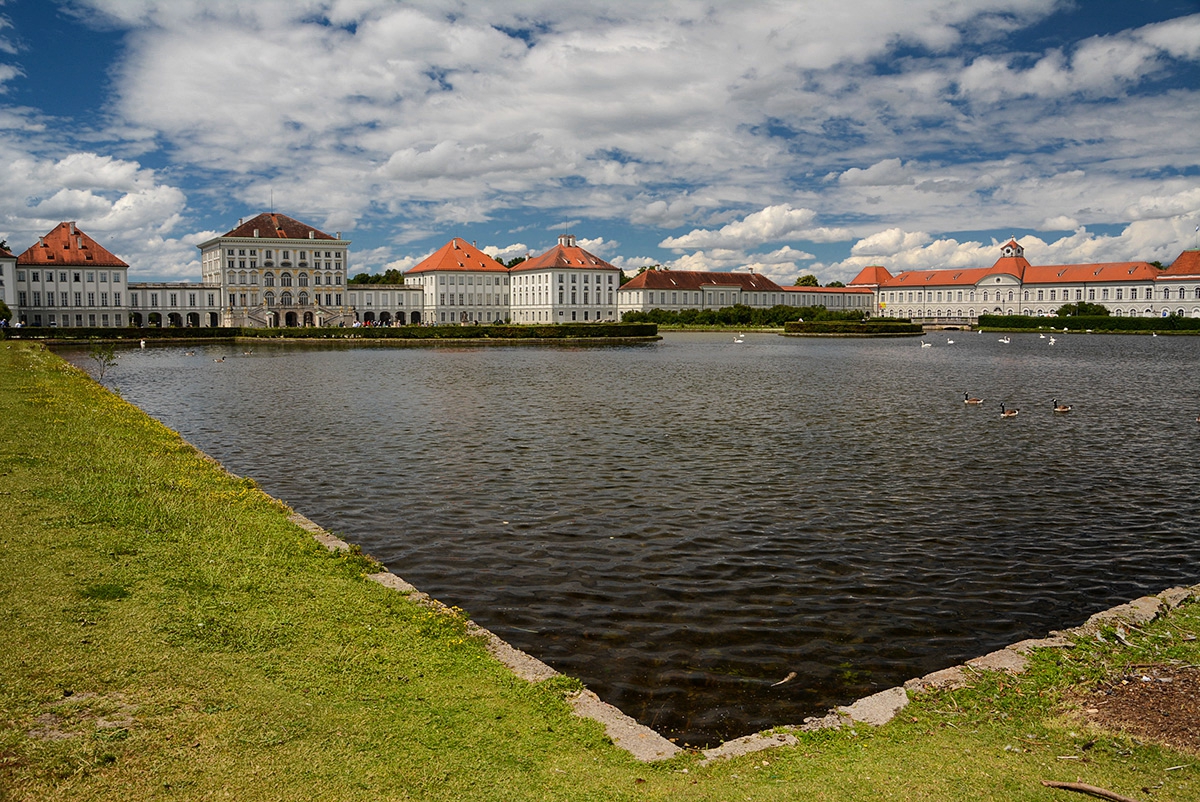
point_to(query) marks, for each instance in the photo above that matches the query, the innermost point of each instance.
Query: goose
(967, 399)
(1008, 413)
(1061, 407)
(219, 359)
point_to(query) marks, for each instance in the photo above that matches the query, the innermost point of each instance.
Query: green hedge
(739, 315)
(482, 332)
(119, 333)
(876, 327)
(1093, 323)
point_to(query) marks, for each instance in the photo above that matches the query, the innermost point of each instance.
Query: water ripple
(681, 525)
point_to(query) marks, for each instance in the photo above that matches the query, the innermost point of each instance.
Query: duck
(1061, 407)
(967, 399)
(1008, 413)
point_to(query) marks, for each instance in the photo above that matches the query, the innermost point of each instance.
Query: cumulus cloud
(768, 225)
(669, 117)
(889, 172)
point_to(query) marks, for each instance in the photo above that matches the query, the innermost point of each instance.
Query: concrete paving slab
(748, 744)
(642, 742)
(878, 708)
(1001, 660)
(947, 679)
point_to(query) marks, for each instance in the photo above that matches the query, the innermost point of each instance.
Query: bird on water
(1008, 413)
(967, 399)
(1061, 407)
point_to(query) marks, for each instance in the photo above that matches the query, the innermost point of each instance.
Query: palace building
(1012, 286)
(272, 270)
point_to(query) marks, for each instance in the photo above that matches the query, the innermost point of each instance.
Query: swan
(1061, 407)
(949, 341)
(1005, 339)
(1008, 413)
(967, 399)
(926, 345)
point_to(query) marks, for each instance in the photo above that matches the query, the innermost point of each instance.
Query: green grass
(167, 633)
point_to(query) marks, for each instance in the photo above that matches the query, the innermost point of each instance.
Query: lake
(682, 524)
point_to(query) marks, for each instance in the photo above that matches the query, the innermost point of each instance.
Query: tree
(389, 276)
(5, 312)
(835, 284)
(807, 280)
(105, 357)
(1082, 309)
(513, 262)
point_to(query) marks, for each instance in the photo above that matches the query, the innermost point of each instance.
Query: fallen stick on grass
(1084, 788)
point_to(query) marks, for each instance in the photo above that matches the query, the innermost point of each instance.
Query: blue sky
(783, 137)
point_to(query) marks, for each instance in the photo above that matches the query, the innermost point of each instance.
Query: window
(91, 276)
(75, 277)
(1052, 294)
(1040, 295)
(1120, 293)
(1091, 294)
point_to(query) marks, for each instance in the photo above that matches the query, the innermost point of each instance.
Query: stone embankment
(877, 709)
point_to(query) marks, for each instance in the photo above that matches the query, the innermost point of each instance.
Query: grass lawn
(167, 633)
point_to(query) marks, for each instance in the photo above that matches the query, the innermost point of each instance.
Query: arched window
(285, 279)
(285, 299)
(269, 280)
(303, 280)
(1010, 295)
(269, 298)
(304, 299)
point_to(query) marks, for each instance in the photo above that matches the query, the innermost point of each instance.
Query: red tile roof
(460, 256)
(843, 290)
(5, 251)
(1188, 264)
(565, 254)
(1103, 271)
(1026, 273)
(941, 278)
(696, 279)
(271, 225)
(871, 275)
(67, 246)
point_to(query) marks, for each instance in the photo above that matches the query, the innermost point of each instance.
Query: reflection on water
(682, 524)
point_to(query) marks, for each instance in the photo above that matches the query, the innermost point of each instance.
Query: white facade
(276, 271)
(386, 304)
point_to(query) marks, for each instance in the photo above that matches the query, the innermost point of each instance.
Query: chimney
(339, 235)
(42, 241)
(79, 243)
(71, 228)
(312, 234)
(256, 233)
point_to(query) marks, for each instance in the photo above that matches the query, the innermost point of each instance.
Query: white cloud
(889, 242)
(889, 172)
(506, 252)
(769, 225)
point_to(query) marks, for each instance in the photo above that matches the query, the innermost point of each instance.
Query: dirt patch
(77, 714)
(1158, 703)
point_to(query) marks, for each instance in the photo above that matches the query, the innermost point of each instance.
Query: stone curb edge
(638, 740)
(877, 709)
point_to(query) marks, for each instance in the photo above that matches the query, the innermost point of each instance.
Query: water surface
(683, 524)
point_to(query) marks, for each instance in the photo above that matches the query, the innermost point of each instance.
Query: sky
(777, 136)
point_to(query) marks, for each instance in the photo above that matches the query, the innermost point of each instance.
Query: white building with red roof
(676, 290)
(8, 277)
(68, 279)
(1012, 286)
(461, 284)
(566, 284)
(273, 270)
